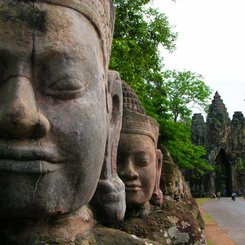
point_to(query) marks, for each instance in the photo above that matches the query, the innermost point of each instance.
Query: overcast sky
(211, 42)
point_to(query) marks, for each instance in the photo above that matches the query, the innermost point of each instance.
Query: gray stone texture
(224, 141)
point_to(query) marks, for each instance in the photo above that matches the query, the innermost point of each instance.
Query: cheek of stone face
(146, 178)
(81, 143)
(81, 136)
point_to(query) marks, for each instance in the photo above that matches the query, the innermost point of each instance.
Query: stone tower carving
(198, 129)
(218, 123)
(224, 141)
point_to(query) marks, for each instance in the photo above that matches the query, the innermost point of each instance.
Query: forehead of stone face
(68, 31)
(15, 25)
(133, 142)
(23, 12)
(47, 28)
(63, 25)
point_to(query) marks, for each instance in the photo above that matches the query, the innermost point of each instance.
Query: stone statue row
(61, 115)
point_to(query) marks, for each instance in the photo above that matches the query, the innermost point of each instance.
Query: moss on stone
(26, 13)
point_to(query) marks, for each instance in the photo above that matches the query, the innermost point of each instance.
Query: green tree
(177, 138)
(139, 30)
(156, 103)
(185, 90)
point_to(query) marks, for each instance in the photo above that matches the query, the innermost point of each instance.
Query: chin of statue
(60, 230)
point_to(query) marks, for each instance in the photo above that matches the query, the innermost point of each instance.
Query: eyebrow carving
(51, 54)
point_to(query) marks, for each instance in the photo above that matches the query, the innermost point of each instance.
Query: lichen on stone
(26, 13)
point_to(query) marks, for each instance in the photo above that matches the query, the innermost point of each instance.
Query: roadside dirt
(214, 234)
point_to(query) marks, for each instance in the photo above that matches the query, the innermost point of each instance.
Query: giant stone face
(137, 167)
(53, 119)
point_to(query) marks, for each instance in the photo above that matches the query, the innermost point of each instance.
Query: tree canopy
(139, 30)
(177, 138)
(166, 95)
(185, 90)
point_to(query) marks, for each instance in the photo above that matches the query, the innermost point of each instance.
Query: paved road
(230, 216)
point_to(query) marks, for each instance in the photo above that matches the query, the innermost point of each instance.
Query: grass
(206, 217)
(201, 201)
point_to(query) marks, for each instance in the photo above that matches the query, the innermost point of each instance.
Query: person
(60, 119)
(233, 196)
(139, 161)
(218, 194)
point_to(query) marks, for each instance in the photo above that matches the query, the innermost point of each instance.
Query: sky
(211, 42)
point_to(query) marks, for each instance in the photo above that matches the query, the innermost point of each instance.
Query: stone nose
(128, 171)
(19, 116)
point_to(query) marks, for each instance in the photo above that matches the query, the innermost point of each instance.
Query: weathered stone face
(53, 117)
(198, 129)
(137, 167)
(139, 162)
(172, 181)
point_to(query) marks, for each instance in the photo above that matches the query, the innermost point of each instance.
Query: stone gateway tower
(224, 141)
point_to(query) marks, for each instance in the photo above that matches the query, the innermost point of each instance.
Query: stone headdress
(99, 12)
(135, 119)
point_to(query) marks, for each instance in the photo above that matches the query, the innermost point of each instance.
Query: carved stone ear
(157, 196)
(109, 202)
(114, 108)
(115, 92)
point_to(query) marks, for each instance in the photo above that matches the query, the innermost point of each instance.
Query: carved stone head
(139, 161)
(58, 115)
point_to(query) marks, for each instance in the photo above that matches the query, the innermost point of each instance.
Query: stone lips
(99, 12)
(137, 123)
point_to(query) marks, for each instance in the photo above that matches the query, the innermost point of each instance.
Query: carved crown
(135, 119)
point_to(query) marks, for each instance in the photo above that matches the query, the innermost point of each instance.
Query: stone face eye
(142, 160)
(67, 88)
